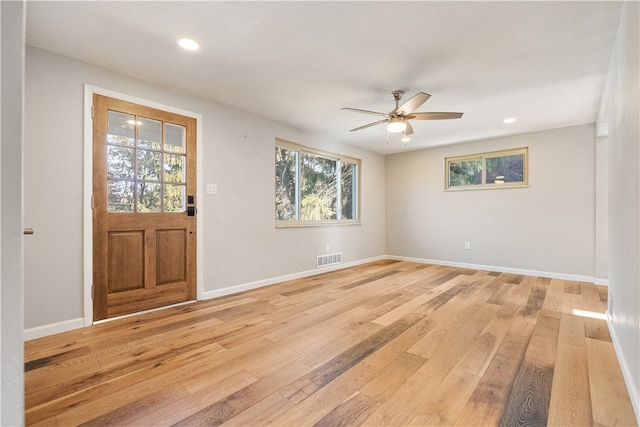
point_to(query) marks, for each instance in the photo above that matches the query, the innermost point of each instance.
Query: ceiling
(299, 63)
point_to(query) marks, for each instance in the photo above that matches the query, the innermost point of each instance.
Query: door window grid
(146, 165)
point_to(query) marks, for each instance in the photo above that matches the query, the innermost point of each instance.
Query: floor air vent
(327, 260)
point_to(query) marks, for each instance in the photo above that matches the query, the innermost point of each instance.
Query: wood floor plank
(352, 412)
(609, 397)
(302, 388)
(387, 343)
(487, 403)
(528, 402)
(443, 406)
(228, 407)
(570, 403)
(393, 376)
(185, 406)
(192, 363)
(403, 405)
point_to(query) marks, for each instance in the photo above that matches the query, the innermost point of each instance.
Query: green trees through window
(146, 165)
(507, 168)
(314, 188)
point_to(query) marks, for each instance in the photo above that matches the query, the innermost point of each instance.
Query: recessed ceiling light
(188, 44)
(510, 120)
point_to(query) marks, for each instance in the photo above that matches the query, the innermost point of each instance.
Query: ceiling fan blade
(379, 122)
(413, 103)
(409, 129)
(434, 116)
(357, 110)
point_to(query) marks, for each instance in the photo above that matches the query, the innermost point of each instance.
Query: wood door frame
(87, 191)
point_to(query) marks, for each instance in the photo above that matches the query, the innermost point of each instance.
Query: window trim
(281, 143)
(483, 157)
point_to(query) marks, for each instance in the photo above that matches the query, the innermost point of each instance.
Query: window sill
(486, 187)
(304, 224)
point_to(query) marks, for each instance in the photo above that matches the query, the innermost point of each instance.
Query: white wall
(601, 264)
(241, 243)
(12, 33)
(621, 112)
(547, 227)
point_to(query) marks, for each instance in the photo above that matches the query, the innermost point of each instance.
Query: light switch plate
(212, 188)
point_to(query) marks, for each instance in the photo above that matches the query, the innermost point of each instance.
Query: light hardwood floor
(383, 344)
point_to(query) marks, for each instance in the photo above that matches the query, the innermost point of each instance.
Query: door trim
(87, 190)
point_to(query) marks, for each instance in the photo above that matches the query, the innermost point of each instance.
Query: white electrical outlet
(327, 248)
(467, 245)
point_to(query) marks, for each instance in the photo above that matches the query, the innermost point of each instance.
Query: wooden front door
(144, 225)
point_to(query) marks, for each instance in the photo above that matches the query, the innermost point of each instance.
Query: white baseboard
(273, 280)
(53, 328)
(632, 387)
(602, 282)
(562, 276)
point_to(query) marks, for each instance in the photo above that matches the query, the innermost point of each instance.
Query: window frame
(524, 151)
(301, 149)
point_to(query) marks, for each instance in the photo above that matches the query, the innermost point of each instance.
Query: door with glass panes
(144, 225)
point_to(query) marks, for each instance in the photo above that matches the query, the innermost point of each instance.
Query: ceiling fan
(398, 119)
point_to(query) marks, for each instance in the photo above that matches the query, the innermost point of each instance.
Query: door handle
(28, 231)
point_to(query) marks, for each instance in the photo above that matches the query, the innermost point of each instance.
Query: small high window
(497, 169)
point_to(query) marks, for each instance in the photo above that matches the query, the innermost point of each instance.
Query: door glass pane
(120, 196)
(465, 172)
(149, 133)
(174, 138)
(505, 169)
(347, 171)
(121, 128)
(285, 184)
(120, 161)
(174, 168)
(148, 156)
(149, 197)
(149, 164)
(174, 198)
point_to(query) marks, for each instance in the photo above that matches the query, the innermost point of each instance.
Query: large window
(314, 188)
(508, 168)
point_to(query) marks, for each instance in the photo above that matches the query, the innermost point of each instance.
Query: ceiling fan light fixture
(188, 44)
(405, 139)
(396, 125)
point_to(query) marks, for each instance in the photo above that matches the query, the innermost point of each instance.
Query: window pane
(318, 189)
(505, 169)
(174, 200)
(174, 138)
(119, 196)
(285, 184)
(121, 128)
(149, 133)
(174, 168)
(347, 172)
(465, 172)
(148, 197)
(149, 164)
(120, 161)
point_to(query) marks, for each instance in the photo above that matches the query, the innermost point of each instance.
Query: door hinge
(92, 112)
(92, 292)
(92, 203)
